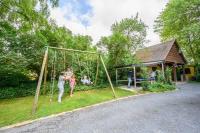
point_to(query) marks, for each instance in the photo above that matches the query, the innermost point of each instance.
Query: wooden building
(160, 56)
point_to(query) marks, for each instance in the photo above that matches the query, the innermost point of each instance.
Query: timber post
(174, 72)
(111, 85)
(163, 70)
(134, 71)
(97, 72)
(45, 76)
(183, 72)
(116, 76)
(39, 82)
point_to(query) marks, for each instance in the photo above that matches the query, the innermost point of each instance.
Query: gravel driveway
(171, 112)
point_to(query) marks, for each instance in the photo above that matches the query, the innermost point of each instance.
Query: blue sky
(79, 7)
(95, 17)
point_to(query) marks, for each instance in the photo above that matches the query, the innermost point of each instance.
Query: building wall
(192, 73)
(174, 55)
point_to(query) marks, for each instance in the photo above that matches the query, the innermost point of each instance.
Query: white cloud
(106, 12)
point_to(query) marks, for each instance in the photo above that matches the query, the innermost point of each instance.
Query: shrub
(168, 77)
(160, 87)
(198, 77)
(26, 89)
(159, 77)
(145, 84)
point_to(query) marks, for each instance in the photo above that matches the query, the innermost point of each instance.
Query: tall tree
(127, 36)
(134, 29)
(180, 20)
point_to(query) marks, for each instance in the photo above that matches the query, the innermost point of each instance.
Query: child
(72, 83)
(85, 80)
(69, 73)
(61, 83)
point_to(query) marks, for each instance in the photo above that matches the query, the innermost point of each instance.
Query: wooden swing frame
(43, 72)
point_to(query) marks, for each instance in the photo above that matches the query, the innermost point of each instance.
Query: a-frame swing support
(45, 63)
(40, 82)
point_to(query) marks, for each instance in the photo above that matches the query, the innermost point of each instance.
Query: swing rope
(53, 76)
(64, 59)
(88, 67)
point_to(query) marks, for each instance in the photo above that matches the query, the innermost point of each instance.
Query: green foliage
(159, 77)
(25, 29)
(160, 87)
(168, 75)
(180, 20)
(22, 90)
(198, 77)
(127, 36)
(118, 53)
(144, 73)
(134, 29)
(12, 69)
(162, 83)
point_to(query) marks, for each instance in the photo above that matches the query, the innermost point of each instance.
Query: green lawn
(19, 109)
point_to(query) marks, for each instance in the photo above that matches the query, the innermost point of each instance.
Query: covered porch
(159, 65)
(157, 57)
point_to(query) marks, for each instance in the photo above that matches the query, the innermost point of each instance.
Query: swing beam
(44, 68)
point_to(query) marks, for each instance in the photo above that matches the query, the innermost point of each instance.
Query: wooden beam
(97, 71)
(64, 61)
(174, 72)
(39, 82)
(163, 69)
(74, 50)
(134, 76)
(183, 67)
(111, 85)
(121, 80)
(45, 76)
(116, 75)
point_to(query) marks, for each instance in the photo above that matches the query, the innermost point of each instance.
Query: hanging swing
(53, 71)
(53, 76)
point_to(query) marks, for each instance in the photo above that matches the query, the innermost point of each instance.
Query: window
(187, 71)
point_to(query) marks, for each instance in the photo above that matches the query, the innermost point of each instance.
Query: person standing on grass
(130, 77)
(61, 83)
(69, 72)
(72, 83)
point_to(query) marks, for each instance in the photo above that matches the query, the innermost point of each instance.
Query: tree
(180, 20)
(117, 53)
(128, 35)
(25, 30)
(134, 29)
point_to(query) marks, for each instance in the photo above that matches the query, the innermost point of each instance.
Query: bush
(145, 84)
(168, 77)
(27, 89)
(198, 77)
(160, 87)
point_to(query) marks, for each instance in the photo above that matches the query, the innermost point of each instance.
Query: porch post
(116, 74)
(183, 67)
(134, 76)
(163, 69)
(174, 72)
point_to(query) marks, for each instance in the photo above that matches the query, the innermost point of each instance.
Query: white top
(86, 81)
(61, 81)
(68, 74)
(153, 74)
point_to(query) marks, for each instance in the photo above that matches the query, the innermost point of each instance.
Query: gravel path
(171, 112)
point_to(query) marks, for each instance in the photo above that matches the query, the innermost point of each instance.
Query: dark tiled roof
(155, 53)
